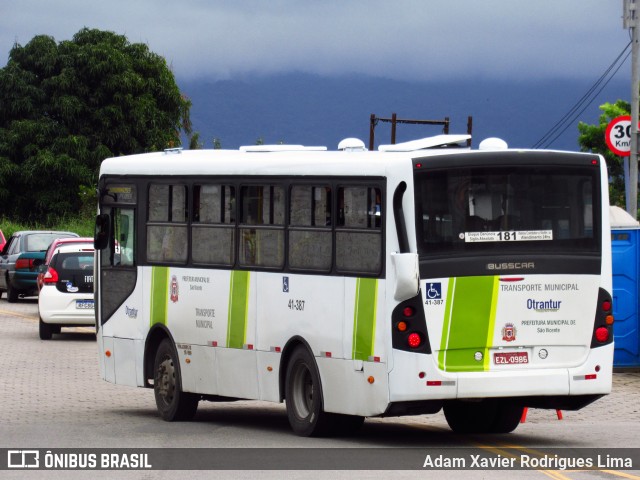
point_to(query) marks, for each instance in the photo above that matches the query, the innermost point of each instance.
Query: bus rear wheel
(303, 394)
(173, 404)
(494, 415)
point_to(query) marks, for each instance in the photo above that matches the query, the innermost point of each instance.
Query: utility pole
(631, 20)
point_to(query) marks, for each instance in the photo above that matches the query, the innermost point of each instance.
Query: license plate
(510, 358)
(84, 304)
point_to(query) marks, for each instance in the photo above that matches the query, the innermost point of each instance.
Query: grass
(81, 226)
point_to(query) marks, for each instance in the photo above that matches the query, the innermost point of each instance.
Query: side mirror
(102, 234)
(407, 275)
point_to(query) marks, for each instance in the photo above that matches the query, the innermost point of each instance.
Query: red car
(2, 240)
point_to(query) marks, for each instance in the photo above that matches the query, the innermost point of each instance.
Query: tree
(194, 142)
(592, 139)
(65, 107)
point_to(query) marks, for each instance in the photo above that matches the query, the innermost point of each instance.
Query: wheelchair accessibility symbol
(434, 291)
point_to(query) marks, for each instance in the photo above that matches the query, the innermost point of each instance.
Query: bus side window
(262, 226)
(124, 232)
(359, 232)
(213, 225)
(310, 240)
(166, 225)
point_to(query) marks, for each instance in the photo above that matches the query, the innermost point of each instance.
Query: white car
(66, 297)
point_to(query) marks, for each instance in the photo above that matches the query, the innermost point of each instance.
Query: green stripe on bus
(492, 323)
(442, 356)
(159, 294)
(364, 318)
(469, 324)
(238, 309)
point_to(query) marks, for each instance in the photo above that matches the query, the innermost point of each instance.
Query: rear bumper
(60, 308)
(24, 280)
(69, 318)
(417, 378)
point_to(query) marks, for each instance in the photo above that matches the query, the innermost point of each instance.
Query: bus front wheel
(173, 404)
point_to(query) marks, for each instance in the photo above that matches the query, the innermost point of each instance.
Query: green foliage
(194, 142)
(592, 139)
(66, 107)
(82, 226)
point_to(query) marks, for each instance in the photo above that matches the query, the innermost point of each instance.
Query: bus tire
(173, 404)
(470, 416)
(303, 394)
(508, 416)
(45, 330)
(491, 415)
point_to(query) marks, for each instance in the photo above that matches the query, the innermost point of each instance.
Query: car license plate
(510, 358)
(84, 304)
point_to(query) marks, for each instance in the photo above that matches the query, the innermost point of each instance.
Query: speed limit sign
(618, 135)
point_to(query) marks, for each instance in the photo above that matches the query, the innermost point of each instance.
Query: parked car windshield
(37, 242)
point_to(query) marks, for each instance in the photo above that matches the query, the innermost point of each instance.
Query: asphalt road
(52, 397)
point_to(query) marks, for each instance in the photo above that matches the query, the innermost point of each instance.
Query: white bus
(352, 284)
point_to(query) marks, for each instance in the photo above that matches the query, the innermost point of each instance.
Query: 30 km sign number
(618, 135)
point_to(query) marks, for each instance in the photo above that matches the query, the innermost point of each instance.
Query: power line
(570, 122)
(584, 102)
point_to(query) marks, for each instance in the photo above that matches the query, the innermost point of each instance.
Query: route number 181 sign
(618, 135)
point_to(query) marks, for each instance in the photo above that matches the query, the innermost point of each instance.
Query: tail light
(602, 334)
(24, 263)
(603, 324)
(414, 340)
(50, 277)
(409, 331)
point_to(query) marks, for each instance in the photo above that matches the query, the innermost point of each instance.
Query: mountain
(314, 110)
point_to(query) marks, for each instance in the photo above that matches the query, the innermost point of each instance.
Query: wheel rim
(303, 392)
(165, 381)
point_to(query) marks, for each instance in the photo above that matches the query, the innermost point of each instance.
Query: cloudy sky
(400, 39)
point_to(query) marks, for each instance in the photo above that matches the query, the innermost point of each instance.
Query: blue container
(625, 259)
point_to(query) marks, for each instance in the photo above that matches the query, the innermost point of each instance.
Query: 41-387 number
(297, 305)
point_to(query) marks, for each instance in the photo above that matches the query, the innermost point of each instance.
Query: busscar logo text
(511, 266)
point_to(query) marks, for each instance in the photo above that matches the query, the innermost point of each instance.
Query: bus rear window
(500, 209)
